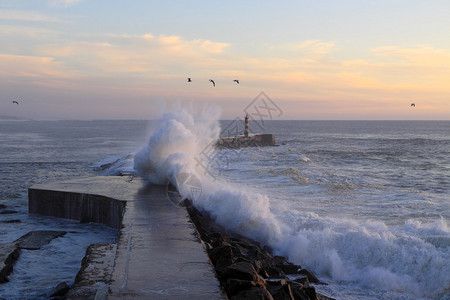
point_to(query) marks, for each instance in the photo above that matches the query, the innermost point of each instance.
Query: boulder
(246, 271)
(299, 293)
(311, 292)
(215, 239)
(221, 257)
(234, 286)
(311, 277)
(276, 282)
(302, 280)
(281, 292)
(285, 266)
(60, 290)
(241, 270)
(8, 255)
(258, 293)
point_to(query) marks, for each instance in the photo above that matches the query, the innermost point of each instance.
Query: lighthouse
(246, 126)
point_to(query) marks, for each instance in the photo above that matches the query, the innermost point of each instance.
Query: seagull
(413, 105)
(237, 81)
(212, 81)
(14, 101)
(189, 79)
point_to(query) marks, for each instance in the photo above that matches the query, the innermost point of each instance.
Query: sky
(314, 60)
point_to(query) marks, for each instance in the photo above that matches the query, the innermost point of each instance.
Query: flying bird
(212, 81)
(189, 79)
(14, 101)
(237, 81)
(413, 105)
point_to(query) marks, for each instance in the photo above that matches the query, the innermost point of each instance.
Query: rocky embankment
(247, 271)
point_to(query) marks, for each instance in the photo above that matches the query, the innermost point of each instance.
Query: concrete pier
(158, 255)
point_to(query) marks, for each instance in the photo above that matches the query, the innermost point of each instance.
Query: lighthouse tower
(246, 126)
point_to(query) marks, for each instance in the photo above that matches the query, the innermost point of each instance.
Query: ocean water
(367, 203)
(44, 151)
(363, 204)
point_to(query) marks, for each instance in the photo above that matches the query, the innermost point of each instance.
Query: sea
(365, 205)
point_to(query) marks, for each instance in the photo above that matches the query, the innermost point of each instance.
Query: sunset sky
(330, 59)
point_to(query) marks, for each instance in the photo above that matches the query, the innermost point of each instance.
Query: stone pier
(158, 255)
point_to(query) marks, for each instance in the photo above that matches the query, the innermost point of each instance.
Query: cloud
(27, 31)
(136, 53)
(148, 64)
(420, 55)
(314, 46)
(21, 66)
(65, 3)
(27, 16)
(308, 46)
(416, 68)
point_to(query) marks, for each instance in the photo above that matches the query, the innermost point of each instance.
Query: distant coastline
(10, 118)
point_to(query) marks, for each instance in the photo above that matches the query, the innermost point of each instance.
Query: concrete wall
(77, 206)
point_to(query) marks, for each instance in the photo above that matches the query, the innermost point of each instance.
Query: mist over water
(327, 216)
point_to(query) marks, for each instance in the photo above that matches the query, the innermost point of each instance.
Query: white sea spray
(412, 260)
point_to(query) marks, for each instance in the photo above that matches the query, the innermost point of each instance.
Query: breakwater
(157, 254)
(257, 140)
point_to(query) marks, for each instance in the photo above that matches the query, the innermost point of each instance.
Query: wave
(413, 259)
(372, 255)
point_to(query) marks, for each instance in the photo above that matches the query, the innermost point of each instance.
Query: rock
(303, 280)
(285, 266)
(267, 249)
(299, 293)
(263, 273)
(246, 271)
(259, 293)
(215, 239)
(60, 290)
(281, 292)
(221, 257)
(8, 255)
(276, 282)
(279, 260)
(311, 277)
(274, 272)
(289, 268)
(8, 212)
(34, 240)
(241, 270)
(3, 206)
(235, 286)
(258, 254)
(311, 292)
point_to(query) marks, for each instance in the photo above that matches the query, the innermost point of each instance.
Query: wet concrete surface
(34, 240)
(158, 255)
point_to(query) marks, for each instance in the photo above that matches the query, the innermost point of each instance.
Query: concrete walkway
(158, 255)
